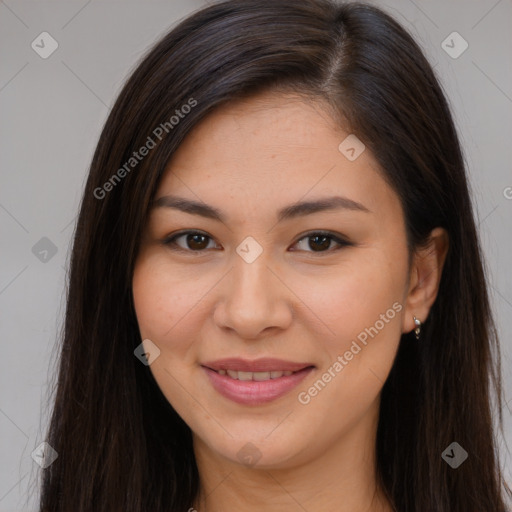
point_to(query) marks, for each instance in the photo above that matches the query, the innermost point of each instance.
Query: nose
(254, 300)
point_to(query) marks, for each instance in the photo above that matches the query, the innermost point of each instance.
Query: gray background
(52, 111)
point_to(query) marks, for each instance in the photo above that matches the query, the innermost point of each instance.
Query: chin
(259, 453)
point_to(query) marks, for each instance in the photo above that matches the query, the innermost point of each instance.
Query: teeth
(258, 376)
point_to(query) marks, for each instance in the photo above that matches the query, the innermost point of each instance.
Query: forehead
(270, 150)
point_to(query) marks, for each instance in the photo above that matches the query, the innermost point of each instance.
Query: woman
(277, 298)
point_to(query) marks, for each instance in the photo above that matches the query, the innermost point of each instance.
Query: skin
(249, 159)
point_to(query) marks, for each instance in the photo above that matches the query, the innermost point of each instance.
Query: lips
(255, 382)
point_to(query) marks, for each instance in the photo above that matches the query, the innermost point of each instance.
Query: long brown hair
(121, 445)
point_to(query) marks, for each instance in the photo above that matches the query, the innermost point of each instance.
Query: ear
(425, 276)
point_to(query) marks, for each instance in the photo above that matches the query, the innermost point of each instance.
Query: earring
(417, 330)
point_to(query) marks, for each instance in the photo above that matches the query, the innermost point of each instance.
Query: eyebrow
(291, 211)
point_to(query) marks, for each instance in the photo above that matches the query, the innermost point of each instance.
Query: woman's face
(260, 281)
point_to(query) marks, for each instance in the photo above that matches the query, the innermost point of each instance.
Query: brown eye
(193, 241)
(196, 242)
(320, 242)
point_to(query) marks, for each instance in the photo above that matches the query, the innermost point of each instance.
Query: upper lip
(257, 365)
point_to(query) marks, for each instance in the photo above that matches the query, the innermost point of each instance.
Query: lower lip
(251, 392)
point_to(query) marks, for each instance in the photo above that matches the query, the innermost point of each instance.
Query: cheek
(362, 307)
(164, 302)
(353, 298)
(358, 360)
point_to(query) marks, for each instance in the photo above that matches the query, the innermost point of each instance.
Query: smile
(255, 382)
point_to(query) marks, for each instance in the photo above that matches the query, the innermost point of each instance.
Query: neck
(342, 479)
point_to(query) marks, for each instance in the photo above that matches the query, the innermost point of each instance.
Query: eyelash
(170, 241)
